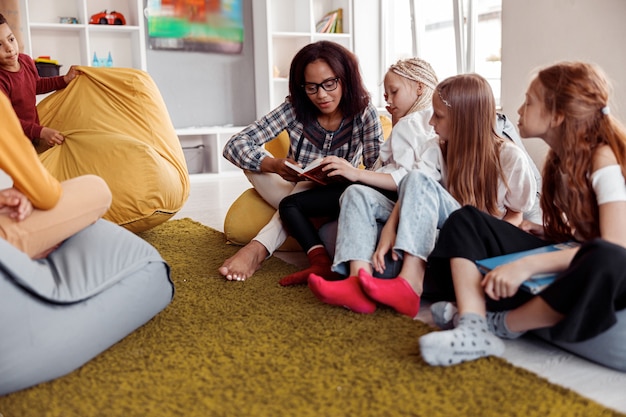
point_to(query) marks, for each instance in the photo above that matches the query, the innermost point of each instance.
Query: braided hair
(416, 69)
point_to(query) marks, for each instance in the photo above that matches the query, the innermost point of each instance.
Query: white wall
(367, 39)
(537, 33)
(207, 89)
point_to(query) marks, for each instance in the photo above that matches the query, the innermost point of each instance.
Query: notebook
(536, 283)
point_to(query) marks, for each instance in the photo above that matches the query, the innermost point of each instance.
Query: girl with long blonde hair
(467, 163)
(583, 199)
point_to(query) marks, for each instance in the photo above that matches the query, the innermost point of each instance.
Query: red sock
(320, 265)
(396, 293)
(345, 293)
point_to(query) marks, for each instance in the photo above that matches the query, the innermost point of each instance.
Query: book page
(313, 171)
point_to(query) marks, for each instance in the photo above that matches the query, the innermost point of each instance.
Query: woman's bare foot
(245, 262)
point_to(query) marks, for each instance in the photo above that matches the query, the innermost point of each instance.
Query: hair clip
(605, 110)
(444, 100)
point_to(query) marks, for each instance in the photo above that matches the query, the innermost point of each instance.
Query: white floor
(211, 196)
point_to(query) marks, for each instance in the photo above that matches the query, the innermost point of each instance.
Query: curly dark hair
(344, 64)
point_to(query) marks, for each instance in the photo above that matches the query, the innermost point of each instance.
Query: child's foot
(344, 293)
(469, 341)
(301, 277)
(445, 314)
(396, 293)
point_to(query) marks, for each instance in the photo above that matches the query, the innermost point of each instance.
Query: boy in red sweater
(20, 81)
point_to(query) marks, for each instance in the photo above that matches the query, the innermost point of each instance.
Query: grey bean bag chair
(608, 348)
(58, 313)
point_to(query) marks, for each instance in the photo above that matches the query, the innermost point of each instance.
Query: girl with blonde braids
(583, 199)
(468, 163)
(409, 85)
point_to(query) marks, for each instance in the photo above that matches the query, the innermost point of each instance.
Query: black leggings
(296, 210)
(588, 292)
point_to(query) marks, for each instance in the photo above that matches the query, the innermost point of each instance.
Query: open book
(314, 172)
(536, 283)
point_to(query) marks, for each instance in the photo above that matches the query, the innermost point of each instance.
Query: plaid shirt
(245, 149)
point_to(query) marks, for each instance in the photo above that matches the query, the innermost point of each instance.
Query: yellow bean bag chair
(117, 126)
(249, 212)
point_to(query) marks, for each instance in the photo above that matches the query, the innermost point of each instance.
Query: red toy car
(107, 18)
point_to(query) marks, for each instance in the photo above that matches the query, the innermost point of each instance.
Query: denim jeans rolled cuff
(363, 212)
(343, 267)
(392, 267)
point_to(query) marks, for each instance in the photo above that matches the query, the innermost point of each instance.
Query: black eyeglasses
(328, 85)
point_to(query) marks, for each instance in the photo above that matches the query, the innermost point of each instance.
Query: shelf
(58, 26)
(203, 145)
(281, 29)
(112, 29)
(76, 43)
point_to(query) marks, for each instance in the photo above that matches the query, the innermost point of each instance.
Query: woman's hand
(277, 166)
(52, 137)
(504, 281)
(15, 204)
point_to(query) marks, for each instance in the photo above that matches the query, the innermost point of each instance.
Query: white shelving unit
(281, 29)
(75, 44)
(203, 148)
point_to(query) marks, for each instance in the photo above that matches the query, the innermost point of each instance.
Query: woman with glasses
(409, 85)
(328, 113)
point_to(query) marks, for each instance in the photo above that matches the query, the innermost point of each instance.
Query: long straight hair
(354, 99)
(472, 153)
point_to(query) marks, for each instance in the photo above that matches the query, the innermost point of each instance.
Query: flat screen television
(195, 25)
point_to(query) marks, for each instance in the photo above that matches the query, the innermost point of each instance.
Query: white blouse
(400, 153)
(521, 192)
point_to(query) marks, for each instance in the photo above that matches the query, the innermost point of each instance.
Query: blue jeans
(364, 210)
(424, 207)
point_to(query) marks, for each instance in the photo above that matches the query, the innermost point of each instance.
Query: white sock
(470, 340)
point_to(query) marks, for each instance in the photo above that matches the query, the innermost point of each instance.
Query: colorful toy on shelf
(102, 62)
(47, 67)
(68, 20)
(107, 18)
(46, 59)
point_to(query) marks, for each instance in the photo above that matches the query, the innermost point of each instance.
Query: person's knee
(465, 218)
(417, 180)
(101, 189)
(287, 205)
(355, 192)
(606, 253)
(100, 196)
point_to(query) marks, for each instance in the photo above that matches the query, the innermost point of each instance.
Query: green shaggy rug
(255, 348)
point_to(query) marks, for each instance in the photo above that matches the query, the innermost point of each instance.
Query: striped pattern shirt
(357, 140)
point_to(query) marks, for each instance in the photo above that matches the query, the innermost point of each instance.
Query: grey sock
(470, 340)
(445, 314)
(496, 320)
